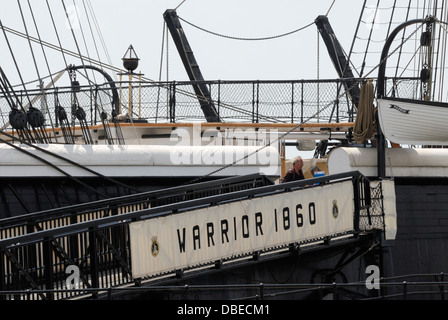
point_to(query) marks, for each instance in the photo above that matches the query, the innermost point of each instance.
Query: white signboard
(197, 237)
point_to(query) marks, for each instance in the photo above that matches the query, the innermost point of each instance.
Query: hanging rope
(100, 35)
(160, 68)
(35, 117)
(91, 32)
(364, 123)
(180, 4)
(48, 68)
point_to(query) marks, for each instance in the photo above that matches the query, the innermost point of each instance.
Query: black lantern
(130, 60)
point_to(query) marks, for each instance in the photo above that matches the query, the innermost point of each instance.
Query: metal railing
(294, 101)
(433, 288)
(58, 217)
(96, 240)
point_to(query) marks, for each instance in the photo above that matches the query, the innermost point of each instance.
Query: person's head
(314, 170)
(297, 163)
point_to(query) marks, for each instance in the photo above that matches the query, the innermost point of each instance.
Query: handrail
(255, 101)
(164, 210)
(127, 199)
(65, 89)
(337, 289)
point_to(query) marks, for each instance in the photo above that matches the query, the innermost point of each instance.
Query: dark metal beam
(338, 58)
(190, 64)
(115, 98)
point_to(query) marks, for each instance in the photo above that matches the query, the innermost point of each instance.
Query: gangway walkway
(171, 232)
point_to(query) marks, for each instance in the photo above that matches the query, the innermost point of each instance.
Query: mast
(191, 66)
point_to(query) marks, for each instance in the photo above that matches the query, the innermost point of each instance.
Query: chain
(247, 39)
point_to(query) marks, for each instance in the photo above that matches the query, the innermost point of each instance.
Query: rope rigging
(52, 154)
(381, 17)
(34, 116)
(77, 110)
(60, 115)
(17, 118)
(46, 63)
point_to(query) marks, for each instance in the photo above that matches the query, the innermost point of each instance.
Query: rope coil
(364, 123)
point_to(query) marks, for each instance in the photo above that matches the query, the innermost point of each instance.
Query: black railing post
(301, 103)
(2, 273)
(219, 98)
(405, 290)
(292, 102)
(253, 102)
(73, 243)
(335, 291)
(357, 202)
(257, 102)
(48, 263)
(172, 104)
(93, 252)
(337, 102)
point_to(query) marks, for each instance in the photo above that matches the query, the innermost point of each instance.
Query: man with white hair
(295, 173)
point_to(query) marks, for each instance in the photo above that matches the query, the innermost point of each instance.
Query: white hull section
(139, 161)
(400, 162)
(414, 123)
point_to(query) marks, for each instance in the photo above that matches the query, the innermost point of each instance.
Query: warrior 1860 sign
(193, 238)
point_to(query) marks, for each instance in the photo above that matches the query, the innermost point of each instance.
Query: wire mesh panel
(372, 217)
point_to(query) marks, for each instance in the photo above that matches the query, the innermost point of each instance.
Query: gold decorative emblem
(154, 247)
(335, 209)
